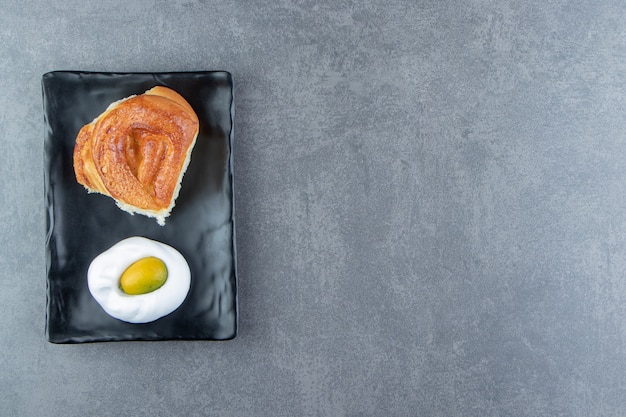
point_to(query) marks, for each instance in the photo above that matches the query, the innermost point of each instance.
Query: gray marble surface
(431, 203)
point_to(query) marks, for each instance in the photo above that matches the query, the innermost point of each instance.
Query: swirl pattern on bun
(138, 150)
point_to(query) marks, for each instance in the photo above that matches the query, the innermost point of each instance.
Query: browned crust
(137, 150)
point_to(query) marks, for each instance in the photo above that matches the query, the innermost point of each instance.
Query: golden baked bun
(138, 150)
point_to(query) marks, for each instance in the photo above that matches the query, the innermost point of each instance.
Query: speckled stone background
(431, 203)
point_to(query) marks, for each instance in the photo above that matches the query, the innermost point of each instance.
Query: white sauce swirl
(104, 274)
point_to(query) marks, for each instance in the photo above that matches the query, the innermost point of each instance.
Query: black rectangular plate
(80, 226)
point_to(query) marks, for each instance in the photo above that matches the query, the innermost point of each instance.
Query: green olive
(144, 276)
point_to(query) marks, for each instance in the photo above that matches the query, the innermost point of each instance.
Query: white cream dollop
(103, 278)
